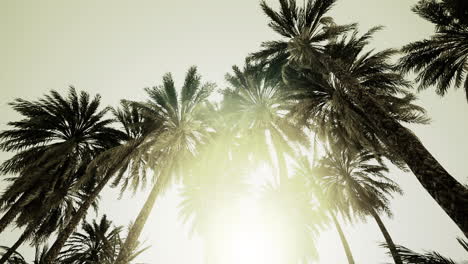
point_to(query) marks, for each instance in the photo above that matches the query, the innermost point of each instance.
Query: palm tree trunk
(54, 251)
(18, 243)
(62, 237)
(10, 215)
(137, 227)
(444, 189)
(388, 238)
(451, 195)
(346, 247)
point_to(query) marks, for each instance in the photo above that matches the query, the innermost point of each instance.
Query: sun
(242, 232)
(250, 241)
(246, 239)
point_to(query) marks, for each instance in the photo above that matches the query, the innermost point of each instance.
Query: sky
(115, 48)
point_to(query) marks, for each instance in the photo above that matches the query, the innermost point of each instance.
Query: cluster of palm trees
(317, 105)
(100, 242)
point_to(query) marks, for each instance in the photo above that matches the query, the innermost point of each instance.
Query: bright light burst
(244, 235)
(247, 239)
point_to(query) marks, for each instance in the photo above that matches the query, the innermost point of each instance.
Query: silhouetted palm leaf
(442, 59)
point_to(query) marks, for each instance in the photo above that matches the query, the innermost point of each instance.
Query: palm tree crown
(442, 59)
(56, 140)
(356, 179)
(259, 107)
(304, 31)
(99, 243)
(326, 103)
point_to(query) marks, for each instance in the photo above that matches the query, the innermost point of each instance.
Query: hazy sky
(116, 48)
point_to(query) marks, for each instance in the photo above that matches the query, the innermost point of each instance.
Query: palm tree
(293, 218)
(133, 172)
(352, 177)
(139, 134)
(55, 219)
(411, 257)
(329, 206)
(54, 142)
(442, 59)
(349, 105)
(99, 243)
(183, 130)
(258, 107)
(304, 31)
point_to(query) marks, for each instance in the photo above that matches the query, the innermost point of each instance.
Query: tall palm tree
(139, 135)
(358, 110)
(329, 206)
(442, 59)
(183, 130)
(358, 180)
(54, 142)
(258, 106)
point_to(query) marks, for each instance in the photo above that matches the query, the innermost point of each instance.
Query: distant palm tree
(99, 243)
(411, 257)
(54, 142)
(53, 220)
(356, 179)
(258, 107)
(360, 111)
(331, 207)
(293, 218)
(183, 130)
(442, 59)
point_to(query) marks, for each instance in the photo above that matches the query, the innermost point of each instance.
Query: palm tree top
(57, 119)
(356, 181)
(304, 31)
(99, 242)
(442, 59)
(444, 14)
(176, 105)
(54, 143)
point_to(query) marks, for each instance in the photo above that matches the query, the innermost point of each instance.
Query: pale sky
(116, 48)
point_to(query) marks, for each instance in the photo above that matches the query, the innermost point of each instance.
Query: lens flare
(247, 239)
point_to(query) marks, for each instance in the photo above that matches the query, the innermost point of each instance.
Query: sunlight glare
(249, 241)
